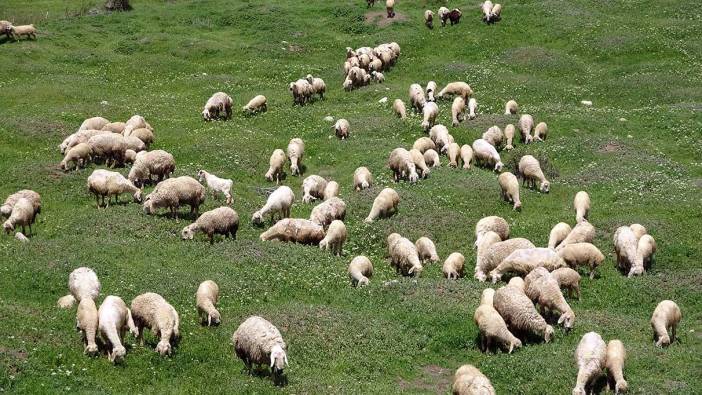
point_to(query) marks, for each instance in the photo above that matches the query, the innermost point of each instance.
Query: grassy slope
(639, 61)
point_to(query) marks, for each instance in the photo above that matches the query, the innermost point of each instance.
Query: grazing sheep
(431, 90)
(443, 15)
(431, 158)
(426, 250)
(110, 147)
(390, 8)
(530, 170)
(519, 312)
(417, 98)
(509, 189)
(526, 124)
(114, 319)
(466, 153)
(402, 166)
(329, 210)
(82, 284)
(94, 123)
(341, 129)
(468, 380)
(335, 238)
(419, 163)
(103, 183)
(453, 152)
(150, 310)
(494, 136)
(644, 254)
(558, 234)
(590, 356)
(430, 112)
(362, 178)
(173, 193)
(494, 254)
(157, 163)
(582, 254)
(313, 188)
(318, 85)
(79, 156)
(133, 143)
(540, 131)
(22, 214)
(545, 291)
(114, 127)
(134, 123)
(19, 236)
(583, 232)
(639, 230)
(294, 230)
(276, 164)
(296, 151)
(509, 136)
(457, 88)
(453, 266)
(258, 104)
(331, 190)
(455, 16)
(221, 221)
(441, 137)
(472, 107)
(87, 325)
(81, 136)
(569, 279)
(486, 7)
(581, 203)
(458, 111)
(279, 202)
(429, 19)
(143, 134)
(616, 355)
(403, 256)
(301, 91)
(486, 155)
(398, 106)
(493, 329)
(206, 299)
(5, 28)
(9, 204)
(525, 260)
(511, 107)
(491, 223)
(423, 144)
(496, 12)
(377, 76)
(216, 184)
(360, 270)
(625, 248)
(666, 317)
(257, 341)
(218, 106)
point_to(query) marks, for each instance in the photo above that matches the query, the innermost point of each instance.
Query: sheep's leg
(672, 333)
(211, 236)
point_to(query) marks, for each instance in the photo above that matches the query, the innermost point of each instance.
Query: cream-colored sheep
(519, 312)
(530, 170)
(173, 193)
(419, 163)
(296, 151)
(453, 266)
(466, 153)
(134, 123)
(441, 137)
(134, 143)
(625, 248)
(511, 107)
(493, 329)
(258, 342)
(443, 15)
(430, 111)
(540, 131)
(458, 111)
(79, 156)
(429, 18)
(110, 147)
(526, 124)
(486, 8)
(258, 104)
(294, 230)
(143, 134)
(509, 189)
(362, 178)
(329, 210)
(495, 14)
(583, 232)
(457, 88)
(487, 239)
(150, 310)
(276, 166)
(568, 279)
(582, 254)
(313, 187)
(431, 158)
(206, 299)
(431, 90)
(509, 136)
(335, 238)
(318, 85)
(83, 283)
(104, 183)
(639, 230)
(558, 233)
(590, 357)
(216, 184)
(494, 136)
(22, 215)
(403, 256)
(491, 223)
(360, 270)
(377, 76)
(114, 319)
(87, 325)
(472, 107)
(468, 380)
(544, 290)
(115, 127)
(9, 204)
(157, 163)
(398, 106)
(426, 250)
(279, 202)
(94, 123)
(331, 190)
(494, 254)
(341, 129)
(453, 152)
(416, 97)
(581, 203)
(644, 255)
(81, 136)
(218, 106)
(486, 155)
(390, 8)
(402, 166)
(666, 317)
(523, 261)
(221, 221)
(616, 355)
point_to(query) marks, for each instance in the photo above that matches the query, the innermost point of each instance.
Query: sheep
(492, 327)
(114, 319)
(370, 4)
(582, 254)
(511, 107)
(625, 248)
(384, 205)
(581, 203)
(377, 76)
(206, 299)
(583, 232)
(455, 16)
(458, 109)
(313, 188)
(486, 154)
(143, 134)
(147, 164)
(331, 190)
(216, 184)
(426, 250)
(441, 137)
(276, 162)
(218, 106)
(335, 238)
(423, 144)
(114, 127)
(329, 210)
(294, 230)
(133, 143)
(523, 261)
(296, 151)
(468, 380)
(341, 129)
(509, 189)
(364, 61)
(279, 202)
(402, 166)
(318, 85)
(221, 221)
(431, 90)
(638, 229)
(302, 91)
(82, 283)
(590, 356)
(110, 147)
(491, 223)
(472, 107)
(134, 123)
(5, 28)
(509, 136)
(416, 97)
(496, 12)
(398, 106)
(360, 270)
(151, 310)
(362, 178)
(545, 291)
(429, 19)
(443, 15)
(419, 163)
(102, 183)
(569, 279)
(430, 112)
(558, 233)
(666, 317)
(494, 136)
(530, 170)
(519, 312)
(453, 266)
(23, 30)
(453, 152)
(94, 123)
(257, 341)
(487, 10)
(457, 88)
(87, 325)
(540, 131)
(81, 136)
(258, 104)
(526, 124)
(644, 254)
(78, 156)
(173, 193)
(19, 236)
(466, 155)
(431, 158)
(23, 214)
(390, 8)
(615, 357)
(494, 254)
(375, 65)
(403, 256)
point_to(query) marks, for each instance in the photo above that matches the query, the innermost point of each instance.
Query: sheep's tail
(66, 302)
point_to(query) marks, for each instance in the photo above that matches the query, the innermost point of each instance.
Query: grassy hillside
(636, 151)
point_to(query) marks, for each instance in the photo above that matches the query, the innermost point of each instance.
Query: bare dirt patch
(611, 146)
(697, 183)
(380, 19)
(433, 379)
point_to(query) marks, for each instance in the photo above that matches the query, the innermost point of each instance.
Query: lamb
(417, 98)
(458, 109)
(540, 131)
(468, 380)
(590, 356)
(362, 178)
(509, 136)
(431, 158)
(279, 202)
(616, 355)
(519, 312)
(666, 317)
(331, 190)
(104, 183)
(294, 230)
(457, 88)
(455, 16)
(329, 210)
(492, 327)
(79, 155)
(143, 134)
(453, 266)
(582, 254)
(581, 203)
(429, 19)
(296, 151)
(87, 325)
(491, 223)
(441, 137)
(317, 84)
(313, 188)
(453, 152)
(150, 310)
(335, 238)
(360, 270)
(431, 90)
(173, 193)
(398, 106)
(523, 261)
(221, 221)
(426, 250)
(509, 189)
(569, 279)
(419, 162)
(257, 341)
(530, 170)
(511, 107)
(94, 123)
(544, 290)
(443, 15)
(218, 106)
(638, 229)
(403, 256)
(258, 104)
(402, 166)
(466, 155)
(23, 214)
(487, 10)
(275, 170)
(216, 184)
(625, 248)
(558, 234)
(494, 254)
(114, 319)
(110, 147)
(157, 163)
(583, 232)
(206, 299)
(390, 8)
(430, 111)
(341, 128)
(494, 136)
(114, 127)
(526, 124)
(486, 154)
(644, 254)
(423, 144)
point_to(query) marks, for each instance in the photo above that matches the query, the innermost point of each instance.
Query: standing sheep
(494, 254)
(453, 266)
(494, 136)
(526, 124)
(329, 210)
(335, 238)
(362, 178)
(644, 254)
(22, 215)
(206, 299)
(110, 147)
(486, 154)
(294, 230)
(390, 8)
(569, 279)
(417, 98)
(331, 190)
(530, 171)
(79, 155)
(157, 163)
(509, 136)
(258, 104)
(103, 183)
(419, 163)
(458, 88)
(426, 250)
(519, 312)
(666, 317)
(486, 8)
(441, 137)
(453, 152)
(9, 204)
(540, 131)
(301, 91)
(491, 223)
(582, 254)
(493, 329)
(639, 230)
(221, 221)
(466, 155)
(558, 233)
(384, 205)
(443, 15)
(218, 106)
(590, 356)
(173, 193)
(616, 355)
(430, 112)
(87, 325)
(296, 151)
(431, 158)
(402, 166)
(83, 283)
(257, 341)
(468, 380)
(509, 189)
(360, 270)
(472, 107)
(625, 248)
(114, 319)
(341, 129)
(150, 310)
(313, 188)
(458, 110)
(581, 203)
(318, 85)
(276, 164)
(279, 202)
(398, 106)
(583, 232)
(429, 19)
(511, 107)
(216, 184)
(525, 260)
(403, 256)
(431, 90)
(544, 290)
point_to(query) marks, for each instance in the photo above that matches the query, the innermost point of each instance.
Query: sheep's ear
(209, 320)
(286, 360)
(272, 360)
(561, 319)
(411, 270)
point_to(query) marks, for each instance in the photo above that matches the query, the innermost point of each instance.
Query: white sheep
(206, 299)
(22, 215)
(453, 152)
(115, 127)
(590, 357)
(583, 232)
(87, 325)
(625, 248)
(416, 97)
(81, 136)
(329, 210)
(360, 270)
(492, 327)
(431, 158)
(457, 88)
(218, 106)
(509, 136)
(148, 164)
(494, 136)
(398, 106)
(581, 203)
(216, 184)
(403, 256)
(519, 312)
(133, 143)
(666, 317)
(492, 255)
(443, 15)
(419, 163)
(342, 129)
(114, 319)
(258, 104)
(173, 193)
(582, 254)
(453, 266)
(143, 134)
(429, 18)
(458, 110)
(151, 310)
(335, 238)
(491, 223)
(276, 164)
(296, 152)
(294, 230)
(258, 342)
(318, 85)
(526, 124)
(426, 250)
(390, 8)
(530, 170)
(558, 233)
(509, 189)
(79, 155)
(568, 279)
(638, 229)
(279, 202)
(540, 131)
(134, 123)
(486, 8)
(645, 249)
(377, 76)
(384, 205)
(472, 107)
(545, 291)
(430, 112)
(313, 187)
(83, 283)
(331, 190)
(110, 147)
(94, 123)
(616, 355)
(524, 260)
(468, 380)
(221, 221)
(486, 154)
(496, 12)
(402, 166)
(441, 137)
(511, 107)
(9, 204)
(105, 183)
(466, 155)
(431, 90)
(362, 178)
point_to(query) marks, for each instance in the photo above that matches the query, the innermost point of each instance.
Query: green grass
(639, 61)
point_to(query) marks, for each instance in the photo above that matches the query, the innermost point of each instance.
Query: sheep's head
(9, 228)
(188, 232)
(137, 196)
(148, 205)
(214, 318)
(309, 78)
(91, 350)
(498, 166)
(621, 386)
(517, 205)
(279, 360)
(548, 333)
(579, 390)
(164, 347)
(257, 218)
(567, 319)
(529, 139)
(5, 210)
(363, 282)
(516, 343)
(117, 354)
(495, 276)
(545, 187)
(206, 114)
(635, 271)
(416, 270)
(425, 126)
(413, 176)
(480, 276)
